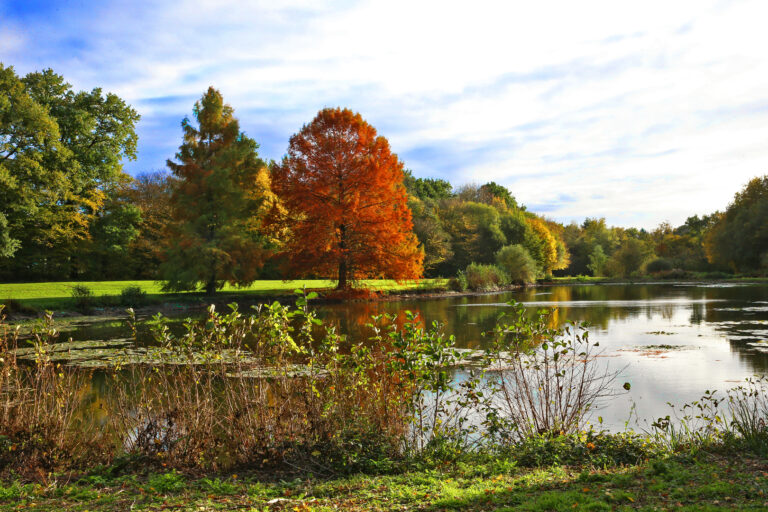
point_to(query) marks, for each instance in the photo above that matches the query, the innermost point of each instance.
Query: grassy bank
(704, 482)
(58, 295)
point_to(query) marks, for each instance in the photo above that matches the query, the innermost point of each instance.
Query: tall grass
(42, 420)
(276, 388)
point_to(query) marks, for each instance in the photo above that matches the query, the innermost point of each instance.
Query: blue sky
(639, 112)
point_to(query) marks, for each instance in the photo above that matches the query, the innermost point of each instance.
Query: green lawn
(58, 294)
(729, 482)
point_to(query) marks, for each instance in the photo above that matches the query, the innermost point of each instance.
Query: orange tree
(344, 205)
(219, 197)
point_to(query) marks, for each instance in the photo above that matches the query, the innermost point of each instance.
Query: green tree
(517, 263)
(493, 190)
(630, 257)
(739, 237)
(113, 231)
(429, 230)
(597, 261)
(60, 152)
(151, 193)
(220, 197)
(28, 134)
(426, 188)
(475, 233)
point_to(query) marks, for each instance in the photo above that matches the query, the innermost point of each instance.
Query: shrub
(13, 306)
(675, 273)
(717, 274)
(658, 265)
(133, 296)
(458, 283)
(517, 262)
(83, 297)
(599, 449)
(547, 381)
(483, 278)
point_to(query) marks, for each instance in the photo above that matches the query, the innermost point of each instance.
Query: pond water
(670, 341)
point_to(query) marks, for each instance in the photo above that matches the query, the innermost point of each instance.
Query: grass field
(57, 295)
(728, 482)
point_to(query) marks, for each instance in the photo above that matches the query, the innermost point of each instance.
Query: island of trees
(339, 205)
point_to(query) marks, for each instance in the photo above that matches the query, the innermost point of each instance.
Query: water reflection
(675, 340)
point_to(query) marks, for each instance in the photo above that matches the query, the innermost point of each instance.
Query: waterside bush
(484, 278)
(277, 389)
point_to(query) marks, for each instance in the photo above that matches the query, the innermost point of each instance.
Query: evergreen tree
(219, 199)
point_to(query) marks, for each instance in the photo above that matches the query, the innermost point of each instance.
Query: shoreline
(21, 310)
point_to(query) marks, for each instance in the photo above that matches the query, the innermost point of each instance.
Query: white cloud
(642, 112)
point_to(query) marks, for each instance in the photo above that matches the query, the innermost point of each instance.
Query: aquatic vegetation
(277, 388)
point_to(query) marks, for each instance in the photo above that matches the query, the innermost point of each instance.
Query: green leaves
(220, 197)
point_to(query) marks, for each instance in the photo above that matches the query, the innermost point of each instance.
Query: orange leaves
(346, 210)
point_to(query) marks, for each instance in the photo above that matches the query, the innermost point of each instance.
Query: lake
(671, 341)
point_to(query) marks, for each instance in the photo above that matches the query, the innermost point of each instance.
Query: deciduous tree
(345, 204)
(60, 152)
(739, 237)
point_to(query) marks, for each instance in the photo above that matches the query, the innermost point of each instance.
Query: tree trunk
(342, 274)
(210, 286)
(342, 259)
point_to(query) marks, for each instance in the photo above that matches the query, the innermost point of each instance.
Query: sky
(639, 112)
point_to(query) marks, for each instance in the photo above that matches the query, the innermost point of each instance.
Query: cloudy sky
(639, 112)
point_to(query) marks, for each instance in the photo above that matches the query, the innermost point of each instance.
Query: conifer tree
(220, 195)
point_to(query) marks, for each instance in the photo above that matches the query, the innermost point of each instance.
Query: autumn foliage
(345, 204)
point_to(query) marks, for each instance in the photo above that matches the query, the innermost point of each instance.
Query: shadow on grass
(694, 485)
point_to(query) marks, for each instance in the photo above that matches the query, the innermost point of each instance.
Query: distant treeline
(472, 224)
(69, 212)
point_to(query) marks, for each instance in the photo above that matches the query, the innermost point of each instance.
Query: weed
(83, 298)
(165, 483)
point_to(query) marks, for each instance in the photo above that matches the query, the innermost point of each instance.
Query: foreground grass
(57, 295)
(707, 482)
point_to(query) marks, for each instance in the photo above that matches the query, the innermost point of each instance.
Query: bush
(717, 274)
(133, 296)
(83, 297)
(485, 277)
(546, 381)
(658, 265)
(675, 273)
(518, 264)
(458, 283)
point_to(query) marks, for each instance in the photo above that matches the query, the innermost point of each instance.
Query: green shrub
(83, 297)
(485, 277)
(458, 283)
(518, 264)
(659, 265)
(717, 274)
(133, 296)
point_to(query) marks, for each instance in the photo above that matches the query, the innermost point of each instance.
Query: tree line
(339, 205)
